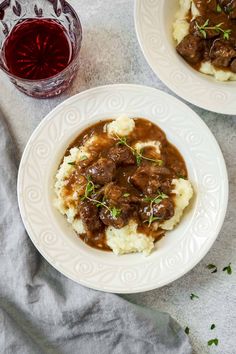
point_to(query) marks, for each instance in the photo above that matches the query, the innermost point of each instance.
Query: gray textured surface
(111, 54)
(42, 312)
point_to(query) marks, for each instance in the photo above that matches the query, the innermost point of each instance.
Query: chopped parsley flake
(126, 195)
(193, 296)
(212, 267)
(214, 341)
(187, 330)
(228, 269)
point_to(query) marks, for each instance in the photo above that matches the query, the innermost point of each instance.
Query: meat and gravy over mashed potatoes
(205, 32)
(122, 184)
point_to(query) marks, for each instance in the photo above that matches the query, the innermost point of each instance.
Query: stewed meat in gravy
(212, 35)
(119, 182)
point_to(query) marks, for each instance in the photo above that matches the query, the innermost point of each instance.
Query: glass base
(39, 93)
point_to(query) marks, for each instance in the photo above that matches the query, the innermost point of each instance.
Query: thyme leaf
(192, 296)
(213, 341)
(212, 267)
(228, 269)
(126, 195)
(218, 9)
(187, 330)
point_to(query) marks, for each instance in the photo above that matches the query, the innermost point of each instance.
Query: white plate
(153, 21)
(181, 249)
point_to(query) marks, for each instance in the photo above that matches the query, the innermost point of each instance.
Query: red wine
(37, 49)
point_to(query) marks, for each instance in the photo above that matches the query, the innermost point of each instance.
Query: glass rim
(7, 72)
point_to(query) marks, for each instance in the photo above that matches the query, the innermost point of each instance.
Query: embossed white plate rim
(121, 288)
(214, 90)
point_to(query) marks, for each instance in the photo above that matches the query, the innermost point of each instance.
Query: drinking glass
(14, 11)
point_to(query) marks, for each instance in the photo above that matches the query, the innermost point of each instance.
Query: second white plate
(154, 24)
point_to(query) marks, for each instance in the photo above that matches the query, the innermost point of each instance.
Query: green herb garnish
(192, 296)
(89, 190)
(138, 159)
(213, 341)
(217, 28)
(187, 330)
(126, 195)
(181, 176)
(218, 9)
(155, 200)
(72, 163)
(115, 212)
(122, 140)
(212, 267)
(84, 157)
(213, 326)
(228, 269)
(151, 219)
(138, 154)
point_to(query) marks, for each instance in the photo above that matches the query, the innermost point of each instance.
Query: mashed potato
(181, 29)
(126, 239)
(183, 193)
(66, 204)
(122, 126)
(181, 24)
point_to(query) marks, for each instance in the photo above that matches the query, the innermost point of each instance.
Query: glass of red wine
(40, 42)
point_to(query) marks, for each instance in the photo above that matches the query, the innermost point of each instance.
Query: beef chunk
(222, 52)
(191, 48)
(200, 21)
(166, 186)
(229, 7)
(207, 44)
(120, 220)
(163, 211)
(233, 66)
(90, 218)
(102, 171)
(148, 178)
(121, 155)
(116, 195)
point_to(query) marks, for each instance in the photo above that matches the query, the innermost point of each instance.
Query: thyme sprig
(152, 201)
(138, 154)
(90, 190)
(217, 28)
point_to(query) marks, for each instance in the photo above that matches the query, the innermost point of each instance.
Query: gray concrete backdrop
(111, 54)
